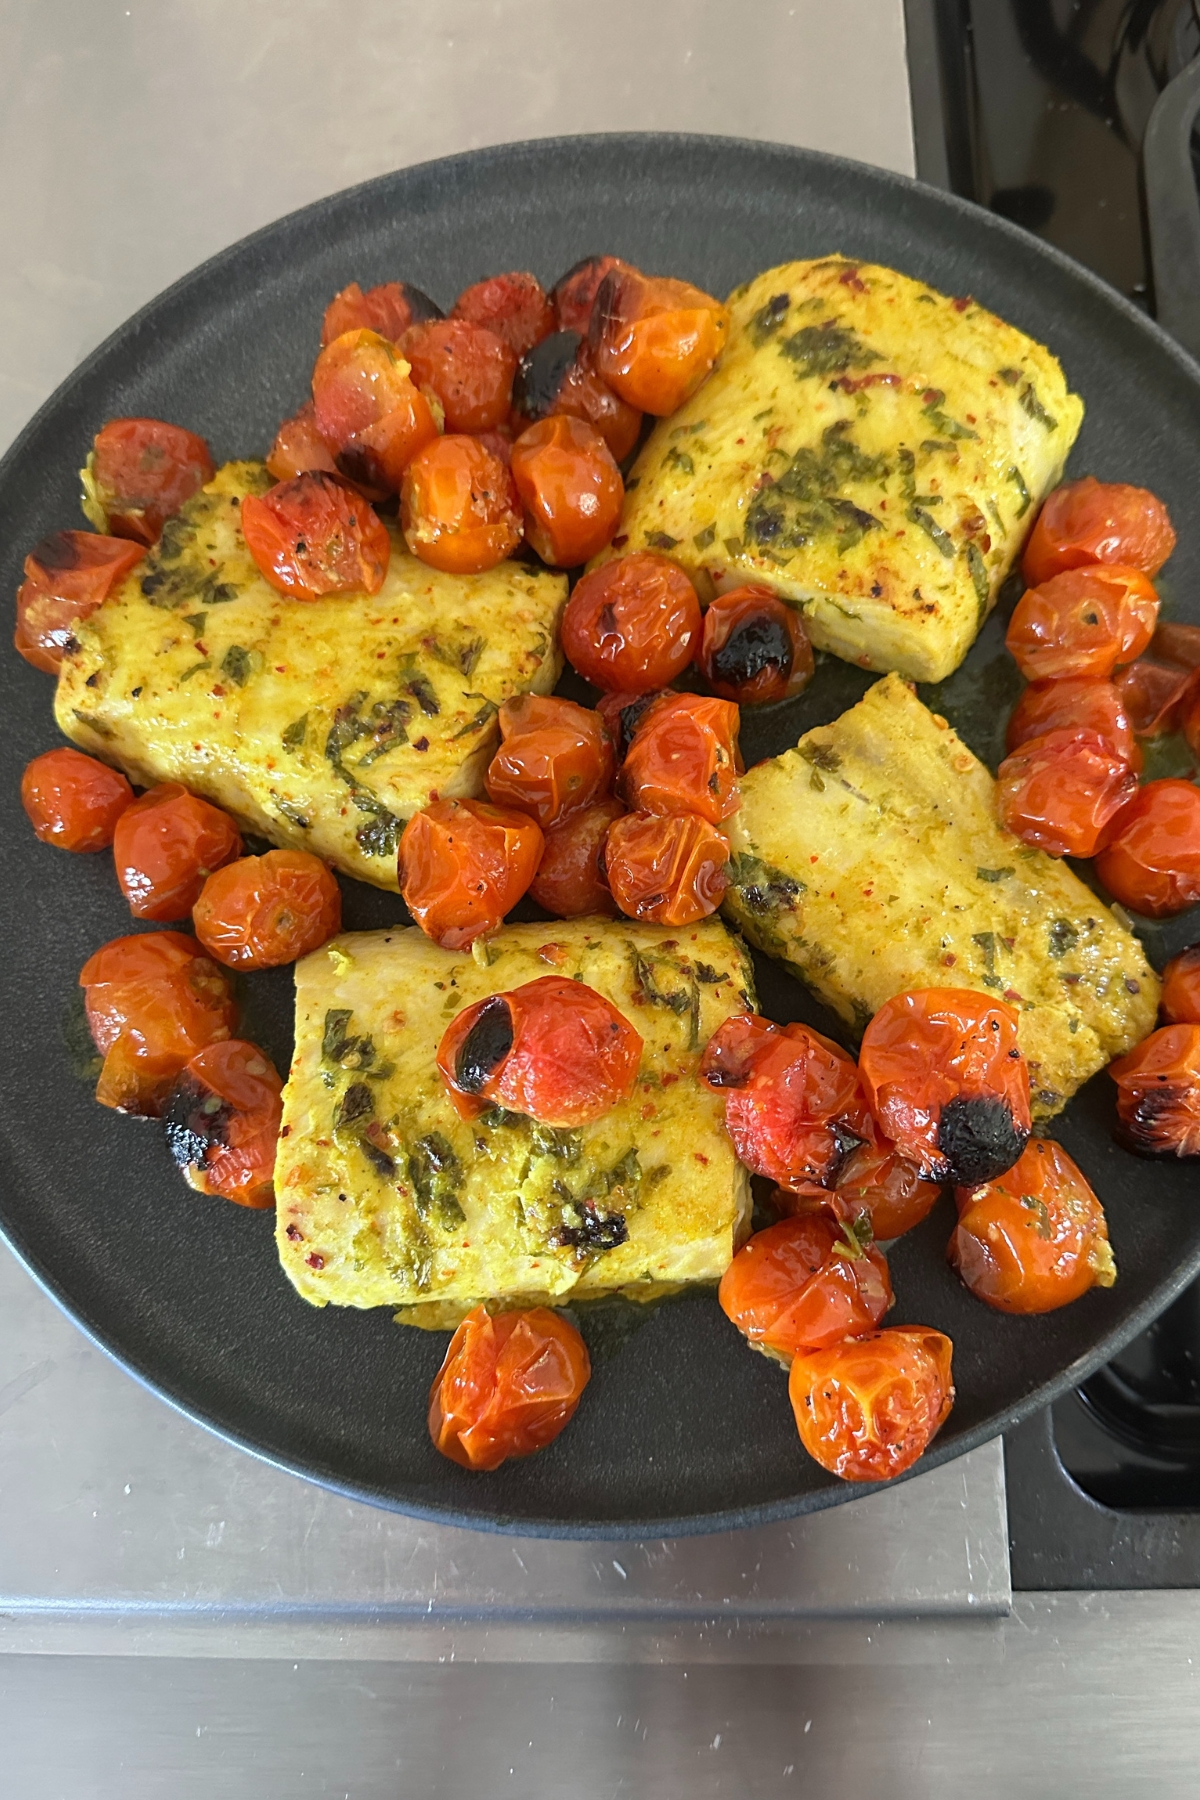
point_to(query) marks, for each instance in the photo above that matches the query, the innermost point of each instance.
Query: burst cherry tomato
(946, 1080)
(879, 1194)
(654, 340)
(1036, 1238)
(1181, 988)
(1083, 622)
(669, 871)
(801, 1285)
(684, 758)
(632, 624)
(467, 366)
(1155, 694)
(262, 911)
(222, 1122)
(570, 487)
(1092, 521)
(1079, 702)
(67, 576)
(555, 1050)
(72, 800)
(1061, 792)
(368, 410)
(388, 309)
(515, 306)
(507, 1387)
(554, 758)
(867, 1408)
(299, 447)
(463, 865)
(1152, 861)
(558, 376)
(139, 472)
(570, 879)
(152, 1002)
(316, 536)
(574, 293)
(1158, 1093)
(166, 845)
(754, 648)
(459, 507)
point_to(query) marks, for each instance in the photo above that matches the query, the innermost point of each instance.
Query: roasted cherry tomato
(554, 759)
(72, 800)
(1152, 860)
(632, 624)
(67, 576)
(166, 845)
(1078, 702)
(459, 507)
(152, 1002)
(1092, 521)
(463, 865)
(507, 1387)
(794, 1107)
(222, 1122)
(867, 1408)
(754, 648)
(803, 1285)
(623, 713)
(1156, 695)
(946, 1080)
(557, 376)
(262, 911)
(666, 870)
(570, 487)
(654, 339)
(1181, 988)
(316, 536)
(299, 446)
(1177, 643)
(1083, 622)
(570, 879)
(467, 366)
(879, 1194)
(1034, 1239)
(1158, 1093)
(139, 472)
(1061, 792)
(684, 758)
(515, 306)
(368, 410)
(574, 293)
(388, 309)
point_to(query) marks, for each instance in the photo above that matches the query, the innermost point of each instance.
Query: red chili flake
(422, 743)
(853, 384)
(1011, 994)
(314, 1261)
(618, 543)
(218, 693)
(668, 1079)
(649, 1110)
(286, 1131)
(949, 960)
(700, 1157)
(963, 301)
(295, 1233)
(850, 278)
(552, 953)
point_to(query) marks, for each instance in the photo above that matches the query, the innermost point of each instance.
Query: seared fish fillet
(387, 1198)
(320, 724)
(870, 861)
(873, 451)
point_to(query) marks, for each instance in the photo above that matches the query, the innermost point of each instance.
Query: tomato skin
(554, 759)
(876, 1187)
(867, 1408)
(623, 713)
(1036, 1238)
(570, 879)
(153, 1000)
(166, 845)
(655, 339)
(315, 536)
(1177, 643)
(1158, 1093)
(262, 911)
(1075, 701)
(467, 366)
(633, 624)
(514, 306)
(558, 376)
(464, 865)
(139, 472)
(227, 1148)
(67, 576)
(508, 1386)
(1062, 792)
(1181, 988)
(459, 507)
(570, 487)
(1082, 622)
(72, 800)
(388, 309)
(947, 1083)
(1092, 521)
(1155, 694)
(684, 759)
(666, 870)
(299, 446)
(753, 648)
(574, 294)
(1152, 860)
(798, 1286)
(368, 411)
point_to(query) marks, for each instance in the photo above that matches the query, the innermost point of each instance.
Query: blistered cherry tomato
(368, 410)
(1081, 702)
(315, 536)
(570, 879)
(388, 309)
(1177, 643)
(554, 758)
(499, 442)
(507, 1387)
(515, 306)
(467, 366)
(946, 1080)
(1155, 694)
(1092, 521)
(684, 758)
(166, 845)
(623, 713)
(879, 1194)
(139, 472)
(754, 648)
(655, 339)
(222, 1122)
(574, 293)
(1034, 1239)
(867, 1408)
(1181, 988)
(632, 624)
(152, 1002)
(262, 911)
(666, 870)
(299, 446)
(1061, 792)
(570, 487)
(72, 800)
(1158, 1093)
(802, 1285)
(67, 576)
(463, 865)
(558, 376)
(1152, 860)
(1083, 622)
(459, 507)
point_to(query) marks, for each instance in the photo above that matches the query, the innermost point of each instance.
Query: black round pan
(682, 1428)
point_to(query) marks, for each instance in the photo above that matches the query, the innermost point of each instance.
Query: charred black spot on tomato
(630, 717)
(1163, 1118)
(756, 643)
(979, 1138)
(56, 552)
(485, 1046)
(542, 372)
(419, 304)
(194, 1120)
